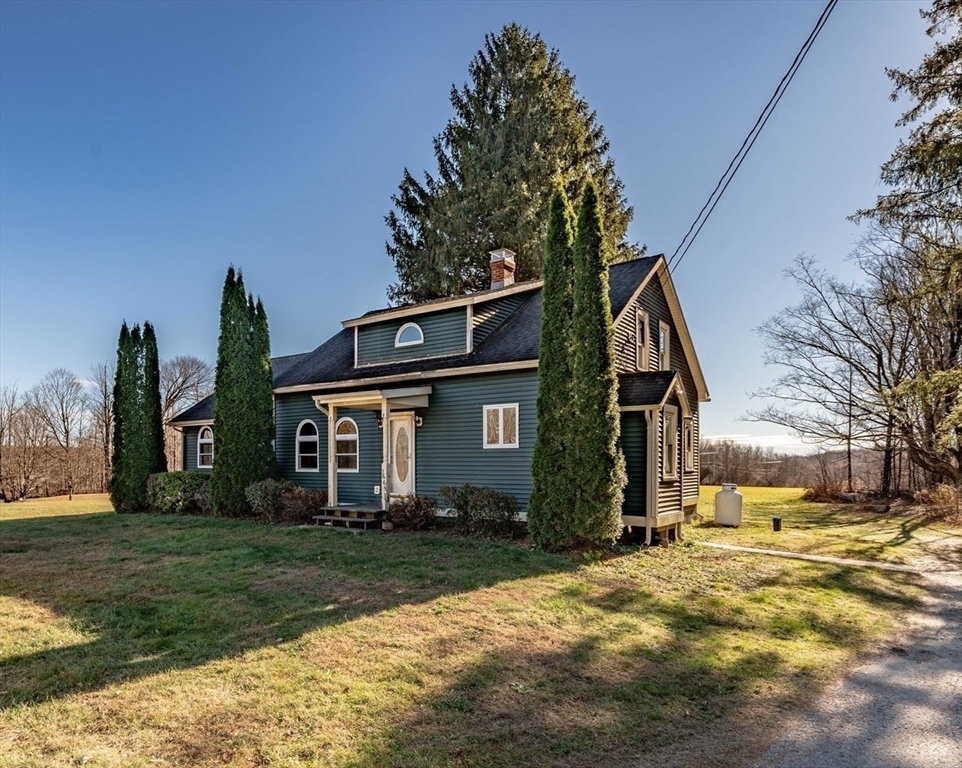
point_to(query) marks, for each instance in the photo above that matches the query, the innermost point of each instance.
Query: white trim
(669, 410)
(500, 407)
(664, 350)
(652, 419)
(408, 418)
(355, 346)
(402, 329)
(456, 301)
(297, 447)
(469, 344)
(642, 359)
(356, 438)
(205, 441)
(198, 423)
(419, 376)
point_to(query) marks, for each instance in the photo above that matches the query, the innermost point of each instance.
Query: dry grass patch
(184, 641)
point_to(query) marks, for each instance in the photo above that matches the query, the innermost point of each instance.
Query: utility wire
(749, 142)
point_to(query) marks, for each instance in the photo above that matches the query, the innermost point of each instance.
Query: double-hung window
(664, 347)
(669, 443)
(642, 341)
(307, 442)
(501, 426)
(205, 448)
(346, 445)
(688, 444)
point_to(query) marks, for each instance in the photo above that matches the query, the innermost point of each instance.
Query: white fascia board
(418, 376)
(456, 301)
(199, 423)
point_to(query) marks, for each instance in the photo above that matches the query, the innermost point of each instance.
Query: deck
(354, 516)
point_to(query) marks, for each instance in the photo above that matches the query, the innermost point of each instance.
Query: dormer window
(408, 335)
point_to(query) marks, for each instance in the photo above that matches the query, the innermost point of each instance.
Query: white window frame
(688, 443)
(402, 329)
(356, 438)
(203, 441)
(642, 341)
(664, 346)
(500, 408)
(669, 443)
(300, 440)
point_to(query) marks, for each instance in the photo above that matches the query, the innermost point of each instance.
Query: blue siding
(445, 333)
(449, 447)
(358, 487)
(289, 412)
(190, 449)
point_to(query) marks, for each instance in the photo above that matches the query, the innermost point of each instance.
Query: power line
(749, 142)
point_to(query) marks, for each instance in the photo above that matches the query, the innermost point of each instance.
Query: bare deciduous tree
(184, 381)
(101, 413)
(60, 403)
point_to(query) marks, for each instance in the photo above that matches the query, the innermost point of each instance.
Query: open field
(146, 640)
(840, 530)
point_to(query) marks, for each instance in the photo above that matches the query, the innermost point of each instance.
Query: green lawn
(145, 640)
(840, 530)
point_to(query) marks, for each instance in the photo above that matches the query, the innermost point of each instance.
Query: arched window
(346, 445)
(205, 448)
(408, 335)
(306, 447)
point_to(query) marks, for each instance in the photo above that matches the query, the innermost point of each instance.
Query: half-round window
(205, 448)
(346, 445)
(408, 335)
(307, 447)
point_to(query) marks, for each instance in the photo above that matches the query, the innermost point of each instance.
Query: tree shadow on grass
(152, 594)
(701, 692)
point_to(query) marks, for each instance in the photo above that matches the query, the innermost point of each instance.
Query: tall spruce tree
(242, 434)
(517, 127)
(125, 418)
(601, 475)
(551, 509)
(265, 393)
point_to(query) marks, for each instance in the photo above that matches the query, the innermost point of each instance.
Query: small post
(776, 523)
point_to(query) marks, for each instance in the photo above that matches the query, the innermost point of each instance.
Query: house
(407, 400)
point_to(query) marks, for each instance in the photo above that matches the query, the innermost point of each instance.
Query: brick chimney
(502, 268)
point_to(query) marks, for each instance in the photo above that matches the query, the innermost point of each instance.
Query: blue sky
(144, 147)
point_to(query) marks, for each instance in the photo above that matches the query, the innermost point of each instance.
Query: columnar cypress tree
(550, 511)
(152, 409)
(138, 422)
(243, 407)
(600, 464)
(264, 400)
(125, 388)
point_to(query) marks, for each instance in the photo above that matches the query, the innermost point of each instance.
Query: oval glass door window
(402, 453)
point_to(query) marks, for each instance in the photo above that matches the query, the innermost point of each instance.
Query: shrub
(264, 498)
(415, 513)
(483, 512)
(178, 493)
(943, 502)
(299, 505)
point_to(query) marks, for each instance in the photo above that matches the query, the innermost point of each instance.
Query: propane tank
(728, 506)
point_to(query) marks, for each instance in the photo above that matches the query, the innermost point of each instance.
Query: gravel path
(901, 710)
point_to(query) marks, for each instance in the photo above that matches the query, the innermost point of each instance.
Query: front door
(402, 454)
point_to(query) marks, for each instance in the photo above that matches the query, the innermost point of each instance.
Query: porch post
(331, 456)
(386, 455)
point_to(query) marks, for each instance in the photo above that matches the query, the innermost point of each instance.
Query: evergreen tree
(517, 127)
(601, 475)
(138, 449)
(153, 411)
(124, 413)
(243, 406)
(265, 393)
(551, 509)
